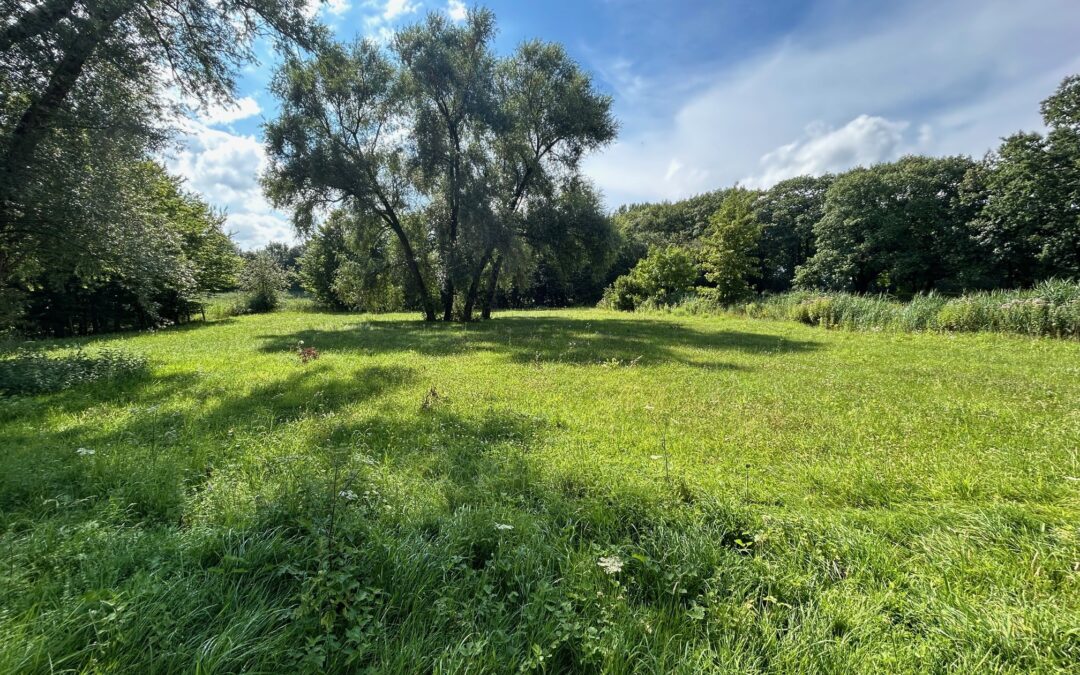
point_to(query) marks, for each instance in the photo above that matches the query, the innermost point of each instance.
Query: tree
(145, 259)
(900, 227)
(447, 73)
(788, 212)
(213, 254)
(263, 280)
(341, 139)
(550, 116)
(197, 44)
(728, 250)
(327, 249)
(443, 143)
(82, 102)
(1028, 196)
(573, 244)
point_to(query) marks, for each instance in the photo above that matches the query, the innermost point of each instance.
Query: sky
(713, 93)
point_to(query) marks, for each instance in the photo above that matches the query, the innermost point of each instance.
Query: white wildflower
(656, 456)
(84, 451)
(347, 495)
(503, 526)
(611, 564)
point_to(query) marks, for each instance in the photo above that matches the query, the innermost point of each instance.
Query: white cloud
(378, 25)
(960, 75)
(338, 7)
(863, 141)
(241, 108)
(396, 8)
(224, 168)
(456, 10)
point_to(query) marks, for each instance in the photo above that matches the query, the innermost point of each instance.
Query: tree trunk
(414, 267)
(474, 287)
(489, 292)
(34, 22)
(448, 297)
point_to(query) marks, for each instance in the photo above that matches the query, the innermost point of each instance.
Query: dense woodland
(435, 175)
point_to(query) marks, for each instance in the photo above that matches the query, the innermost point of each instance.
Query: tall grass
(1050, 309)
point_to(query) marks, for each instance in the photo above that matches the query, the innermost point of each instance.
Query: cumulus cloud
(863, 141)
(240, 109)
(456, 10)
(224, 167)
(959, 75)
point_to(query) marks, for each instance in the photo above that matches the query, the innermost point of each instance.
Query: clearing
(559, 490)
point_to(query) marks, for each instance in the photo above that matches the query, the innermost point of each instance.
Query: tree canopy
(447, 145)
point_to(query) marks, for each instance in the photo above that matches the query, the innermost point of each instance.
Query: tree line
(919, 224)
(431, 173)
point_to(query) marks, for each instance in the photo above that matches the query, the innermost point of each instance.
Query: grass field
(562, 491)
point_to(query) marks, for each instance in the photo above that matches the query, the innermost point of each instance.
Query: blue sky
(713, 93)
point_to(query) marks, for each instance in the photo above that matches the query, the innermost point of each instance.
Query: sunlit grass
(566, 490)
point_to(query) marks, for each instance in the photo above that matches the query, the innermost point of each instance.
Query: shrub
(29, 371)
(664, 277)
(263, 280)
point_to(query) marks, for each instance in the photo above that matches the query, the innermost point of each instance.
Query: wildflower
(611, 564)
(503, 526)
(656, 456)
(347, 495)
(84, 451)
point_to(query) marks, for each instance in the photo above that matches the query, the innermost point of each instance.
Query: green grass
(439, 497)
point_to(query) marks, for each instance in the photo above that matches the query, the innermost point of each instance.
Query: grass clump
(31, 371)
(1050, 309)
(559, 491)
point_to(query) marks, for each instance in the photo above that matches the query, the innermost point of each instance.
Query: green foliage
(572, 244)
(151, 266)
(1051, 308)
(600, 493)
(661, 278)
(682, 223)
(788, 212)
(368, 286)
(263, 280)
(83, 107)
(1028, 196)
(900, 227)
(441, 142)
(728, 249)
(30, 371)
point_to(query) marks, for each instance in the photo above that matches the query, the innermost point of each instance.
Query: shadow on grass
(547, 339)
(157, 447)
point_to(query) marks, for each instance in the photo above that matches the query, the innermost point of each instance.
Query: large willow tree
(443, 141)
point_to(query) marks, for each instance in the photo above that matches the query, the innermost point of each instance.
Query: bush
(263, 280)
(28, 371)
(664, 277)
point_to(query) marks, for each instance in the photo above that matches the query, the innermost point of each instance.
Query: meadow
(571, 490)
